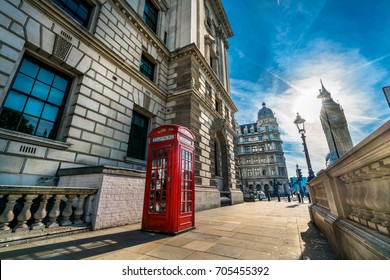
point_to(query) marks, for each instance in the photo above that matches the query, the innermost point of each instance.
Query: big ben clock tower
(335, 127)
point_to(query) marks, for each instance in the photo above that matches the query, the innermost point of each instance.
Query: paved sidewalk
(260, 230)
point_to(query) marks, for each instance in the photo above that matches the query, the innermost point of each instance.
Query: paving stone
(225, 250)
(170, 252)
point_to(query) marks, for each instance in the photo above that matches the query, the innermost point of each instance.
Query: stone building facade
(83, 82)
(335, 127)
(260, 157)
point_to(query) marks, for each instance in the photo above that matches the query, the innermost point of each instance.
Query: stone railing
(26, 210)
(354, 193)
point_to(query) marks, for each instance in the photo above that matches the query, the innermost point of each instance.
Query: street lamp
(300, 123)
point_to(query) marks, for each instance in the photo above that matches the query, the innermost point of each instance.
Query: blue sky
(282, 48)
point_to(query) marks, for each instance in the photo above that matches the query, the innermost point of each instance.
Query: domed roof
(265, 112)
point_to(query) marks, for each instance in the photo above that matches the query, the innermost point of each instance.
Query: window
(257, 171)
(261, 148)
(138, 136)
(35, 100)
(248, 160)
(264, 172)
(150, 15)
(246, 140)
(254, 149)
(256, 160)
(80, 10)
(147, 68)
(247, 149)
(249, 172)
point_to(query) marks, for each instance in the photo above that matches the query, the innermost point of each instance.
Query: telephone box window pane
(157, 203)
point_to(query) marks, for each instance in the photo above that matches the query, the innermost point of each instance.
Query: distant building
(260, 157)
(335, 127)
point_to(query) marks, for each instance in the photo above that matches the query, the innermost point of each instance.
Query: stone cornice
(193, 50)
(222, 17)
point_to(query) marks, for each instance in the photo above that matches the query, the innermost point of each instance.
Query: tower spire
(324, 94)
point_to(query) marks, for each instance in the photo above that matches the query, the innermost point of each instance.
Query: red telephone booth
(169, 187)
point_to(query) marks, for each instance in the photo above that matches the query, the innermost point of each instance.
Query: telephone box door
(156, 203)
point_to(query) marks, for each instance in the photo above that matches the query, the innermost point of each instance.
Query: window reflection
(34, 102)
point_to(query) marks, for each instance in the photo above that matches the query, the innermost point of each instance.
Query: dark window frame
(80, 10)
(150, 15)
(147, 67)
(138, 136)
(34, 105)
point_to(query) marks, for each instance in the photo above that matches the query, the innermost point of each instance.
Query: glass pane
(60, 83)
(15, 101)
(28, 124)
(44, 129)
(34, 107)
(56, 96)
(45, 76)
(9, 119)
(40, 90)
(23, 83)
(29, 68)
(50, 112)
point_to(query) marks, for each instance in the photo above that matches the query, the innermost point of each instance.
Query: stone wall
(120, 197)
(351, 199)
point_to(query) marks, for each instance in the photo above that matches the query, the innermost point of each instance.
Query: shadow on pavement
(316, 246)
(76, 249)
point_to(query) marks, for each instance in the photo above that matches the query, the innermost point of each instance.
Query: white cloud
(350, 78)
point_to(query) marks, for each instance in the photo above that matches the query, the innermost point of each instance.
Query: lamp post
(300, 123)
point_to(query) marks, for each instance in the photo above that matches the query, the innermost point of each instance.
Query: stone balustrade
(351, 199)
(28, 209)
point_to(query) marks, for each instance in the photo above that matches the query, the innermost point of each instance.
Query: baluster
(8, 214)
(67, 212)
(78, 212)
(40, 214)
(54, 212)
(25, 214)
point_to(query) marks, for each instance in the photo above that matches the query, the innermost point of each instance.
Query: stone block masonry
(119, 200)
